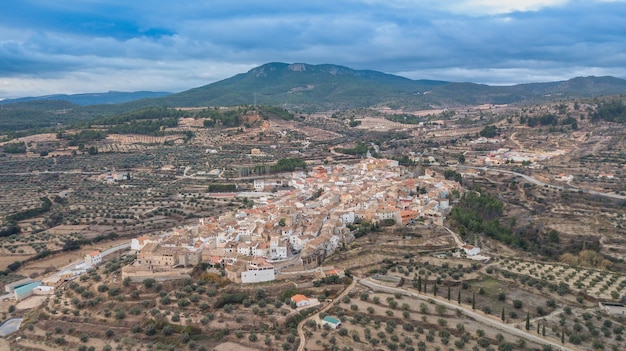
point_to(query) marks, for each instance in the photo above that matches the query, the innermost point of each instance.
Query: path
(301, 324)
(540, 183)
(470, 313)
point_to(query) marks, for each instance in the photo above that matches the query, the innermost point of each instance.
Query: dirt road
(301, 324)
(469, 312)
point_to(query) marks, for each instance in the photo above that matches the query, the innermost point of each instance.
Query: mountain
(300, 84)
(321, 87)
(301, 87)
(111, 97)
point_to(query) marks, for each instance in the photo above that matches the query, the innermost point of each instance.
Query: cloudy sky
(74, 46)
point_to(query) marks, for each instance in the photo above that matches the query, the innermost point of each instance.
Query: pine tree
(527, 320)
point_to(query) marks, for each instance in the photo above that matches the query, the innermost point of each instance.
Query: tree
(474, 301)
(502, 314)
(527, 320)
(458, 298)
(462, 159)
(448, 292)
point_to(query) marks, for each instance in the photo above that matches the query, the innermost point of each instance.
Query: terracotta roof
(299, 298)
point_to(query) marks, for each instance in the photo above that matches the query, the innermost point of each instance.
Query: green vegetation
(453, 175)
(222, 188)
(15, 148)
(46, 204)
(359, 149)
(611, 111)
(479, 212)
(489, 131)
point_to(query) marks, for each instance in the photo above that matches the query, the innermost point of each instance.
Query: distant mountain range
(111, 97)
(301, 87)
(319, 87)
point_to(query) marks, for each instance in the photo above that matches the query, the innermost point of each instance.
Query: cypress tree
(503, 314)
(527, 320)
(435, 289)
(537, 328)
(458, 298)
(474, 301)
(563, 336)
(543, 330)
(419, 283)
(448, 292)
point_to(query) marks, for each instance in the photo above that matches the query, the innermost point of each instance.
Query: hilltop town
(308, 218)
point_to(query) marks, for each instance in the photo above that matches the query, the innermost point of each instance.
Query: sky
(79, 46)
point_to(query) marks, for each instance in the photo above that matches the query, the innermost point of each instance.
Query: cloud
(80, 46)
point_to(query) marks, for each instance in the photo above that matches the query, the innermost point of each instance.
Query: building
(9, 288)
(138, 243)
(300, 300)
(614, 308)
(25, 291)
(470, 250)
(93, 258)
(332, 322)
(258, 271)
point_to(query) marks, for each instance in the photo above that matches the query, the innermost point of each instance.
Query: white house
(258, 272)
(471, 250)
(300, 300)
(138, 243)
(93, 258)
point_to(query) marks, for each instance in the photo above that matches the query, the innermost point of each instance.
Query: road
(540, 183)
(10, 326)
(314, 315)
(470, 313)
(73, 265)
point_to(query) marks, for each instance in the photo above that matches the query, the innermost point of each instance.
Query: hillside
(302, 87)
(86, 99)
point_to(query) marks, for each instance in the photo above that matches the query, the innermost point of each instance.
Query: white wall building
(93, 258)
(258, 273)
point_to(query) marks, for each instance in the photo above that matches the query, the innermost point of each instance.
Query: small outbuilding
(332, 322)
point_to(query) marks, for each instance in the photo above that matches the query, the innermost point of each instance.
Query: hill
(111, 97)
(307, 87)
(302, 87)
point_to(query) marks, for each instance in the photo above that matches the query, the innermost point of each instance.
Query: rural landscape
(316, 207)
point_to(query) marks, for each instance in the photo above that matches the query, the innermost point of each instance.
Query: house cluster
(312, 216)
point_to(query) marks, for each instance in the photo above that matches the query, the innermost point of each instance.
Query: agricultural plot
(596, 283)
(376, 321)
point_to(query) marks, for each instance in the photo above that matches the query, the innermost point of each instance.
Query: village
(299, 225)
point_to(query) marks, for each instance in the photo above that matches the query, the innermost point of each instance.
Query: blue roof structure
(331, 320)
(26, 288)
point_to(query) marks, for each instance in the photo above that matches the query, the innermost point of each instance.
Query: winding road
(314, 315)
(540, 183)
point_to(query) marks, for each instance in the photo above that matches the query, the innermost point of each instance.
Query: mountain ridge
(307, 88)
(86, 99)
